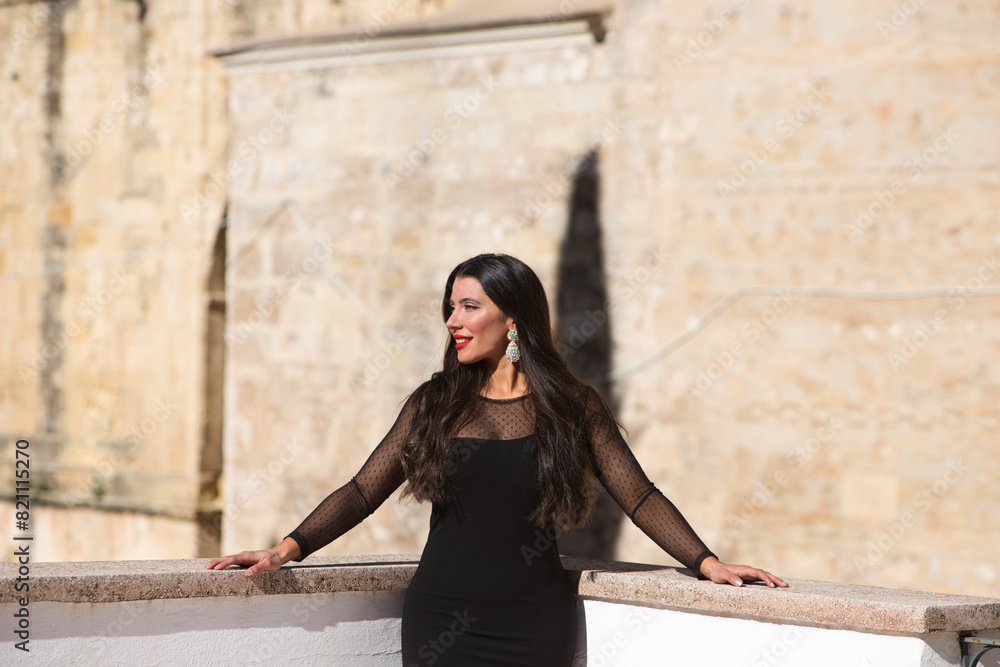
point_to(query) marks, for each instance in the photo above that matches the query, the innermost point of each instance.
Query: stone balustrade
(346, 611)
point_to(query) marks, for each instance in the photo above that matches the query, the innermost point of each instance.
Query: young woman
(504, 442)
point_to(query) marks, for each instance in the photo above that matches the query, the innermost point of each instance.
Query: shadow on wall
(583, 335)
(209, 516)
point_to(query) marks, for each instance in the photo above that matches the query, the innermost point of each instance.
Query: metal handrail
(988, 645)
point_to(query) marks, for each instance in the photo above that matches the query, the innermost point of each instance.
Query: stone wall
(842, 435)
(394, 184)
(115, 117)
(839, 434)
(821, 146)
(115, 120)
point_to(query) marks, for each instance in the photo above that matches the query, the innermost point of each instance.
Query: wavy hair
(448, 400)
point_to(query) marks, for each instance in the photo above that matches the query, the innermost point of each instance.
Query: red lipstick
(461, 341)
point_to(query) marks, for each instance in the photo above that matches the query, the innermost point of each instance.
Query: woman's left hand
(737, 575)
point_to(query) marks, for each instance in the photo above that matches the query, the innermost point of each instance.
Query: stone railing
(346, 611)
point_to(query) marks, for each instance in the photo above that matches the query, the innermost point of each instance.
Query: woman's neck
(506, 381)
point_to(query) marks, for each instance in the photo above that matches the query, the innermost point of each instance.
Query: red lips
(465, 341)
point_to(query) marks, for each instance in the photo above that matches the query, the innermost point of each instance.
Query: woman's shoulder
(435, 382)
(595, 406)
(424, 391)
(581, 399)
(588, 396)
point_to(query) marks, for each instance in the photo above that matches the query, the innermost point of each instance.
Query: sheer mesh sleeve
(345, 508)
(619, 471)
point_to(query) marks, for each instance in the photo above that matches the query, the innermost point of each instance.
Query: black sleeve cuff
(303, 545)
(698, 561)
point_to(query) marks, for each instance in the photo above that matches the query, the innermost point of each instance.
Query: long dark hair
(448, 400)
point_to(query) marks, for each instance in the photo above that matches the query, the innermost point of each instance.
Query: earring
(513, 353)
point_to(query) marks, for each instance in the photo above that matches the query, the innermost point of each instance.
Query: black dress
(490, 588)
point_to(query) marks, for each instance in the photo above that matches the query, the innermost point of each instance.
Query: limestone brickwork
(779, 187)
(819, 146)
(115, 117)
(112, 118)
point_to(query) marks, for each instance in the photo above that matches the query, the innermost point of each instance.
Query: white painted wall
(362, 630)
(620, 635)
(349, 629)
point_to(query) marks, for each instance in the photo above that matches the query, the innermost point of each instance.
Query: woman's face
(478, 327)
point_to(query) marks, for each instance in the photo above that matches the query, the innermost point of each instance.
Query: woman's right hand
(258, 561)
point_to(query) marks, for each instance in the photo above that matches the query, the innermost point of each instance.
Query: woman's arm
(620, 473)
(340, 511)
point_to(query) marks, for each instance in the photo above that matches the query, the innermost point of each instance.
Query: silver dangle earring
(513, 352)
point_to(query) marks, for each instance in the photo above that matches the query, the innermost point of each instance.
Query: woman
(504, 442)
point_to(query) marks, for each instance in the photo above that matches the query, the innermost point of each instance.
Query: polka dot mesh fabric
(619, 471)
(614, 464)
